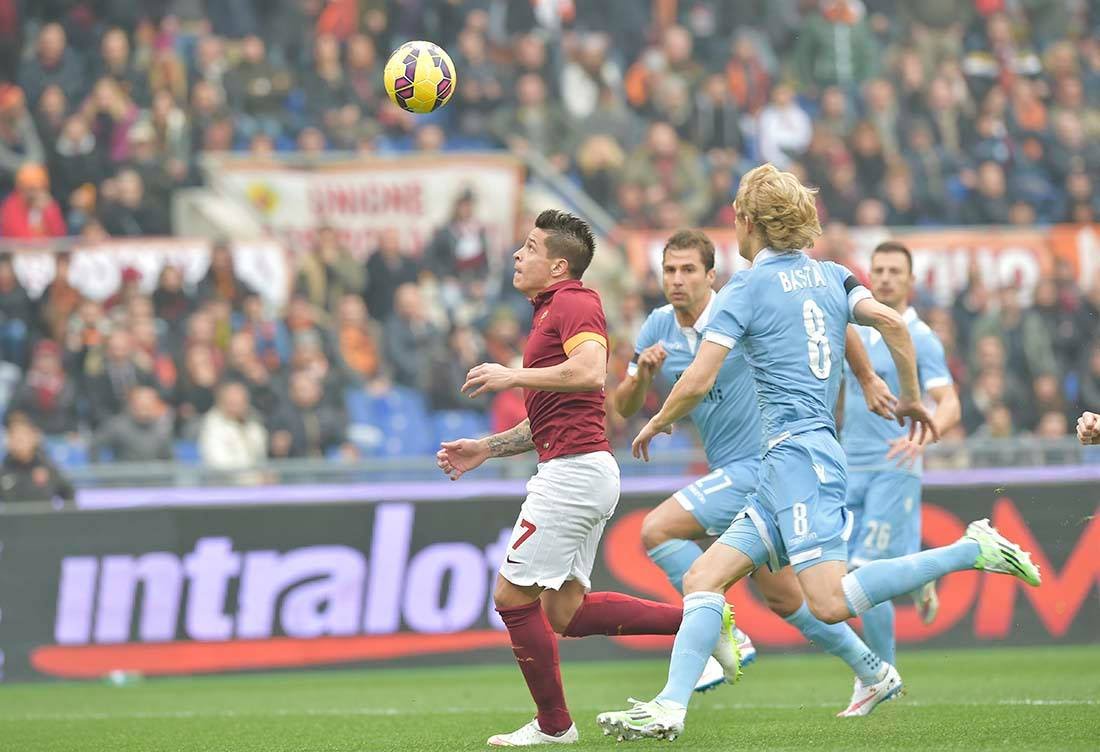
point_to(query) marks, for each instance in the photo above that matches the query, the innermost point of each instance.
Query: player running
(789, 314)
(728, 419)
(542, 586)
(884, 464)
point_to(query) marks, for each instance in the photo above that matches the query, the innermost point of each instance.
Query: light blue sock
(675, 557)
(839, 640)
(878, 630)
(695, 642)
(884, 579)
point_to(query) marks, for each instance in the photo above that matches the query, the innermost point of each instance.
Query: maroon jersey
(563, 423)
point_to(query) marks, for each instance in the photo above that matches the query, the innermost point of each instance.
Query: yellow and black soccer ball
(420, 77)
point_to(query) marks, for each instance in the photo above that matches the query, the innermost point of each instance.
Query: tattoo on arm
(511, 442)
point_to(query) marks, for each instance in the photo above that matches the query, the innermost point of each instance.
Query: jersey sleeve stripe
(937, 382)
(577, 340)
(719, 339)
(855, 295)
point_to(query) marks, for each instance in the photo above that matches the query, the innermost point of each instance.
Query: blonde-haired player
(790, 314)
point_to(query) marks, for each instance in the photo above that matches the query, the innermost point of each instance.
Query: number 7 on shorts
(528, 530)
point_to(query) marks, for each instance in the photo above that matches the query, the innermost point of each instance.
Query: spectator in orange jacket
(30, 211)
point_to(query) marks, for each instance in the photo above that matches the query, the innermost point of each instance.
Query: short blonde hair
(782, 209)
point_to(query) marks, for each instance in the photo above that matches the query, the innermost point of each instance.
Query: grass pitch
(1018, 699)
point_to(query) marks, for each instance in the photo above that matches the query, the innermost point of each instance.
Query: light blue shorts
(797, 516)
(886, 505)
(716, 498)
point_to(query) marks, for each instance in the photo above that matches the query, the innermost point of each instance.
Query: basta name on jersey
(800, 279)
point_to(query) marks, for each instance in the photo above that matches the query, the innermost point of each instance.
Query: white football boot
(713, 675)
(744, 643)
(866, 697)
(728, 651)
(998, 554)
(531, 735)
(644, 720)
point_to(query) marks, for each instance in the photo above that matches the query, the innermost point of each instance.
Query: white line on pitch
(170, 714)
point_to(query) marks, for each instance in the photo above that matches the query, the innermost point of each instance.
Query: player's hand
(927, 602)
(880, 400)
(455, 458)
(651, 359)
(922, 429)
(905, 450)
(1088, 428)
(640, 447)
(488, 377)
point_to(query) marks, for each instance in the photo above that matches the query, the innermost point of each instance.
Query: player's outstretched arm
(689, 390)
(456, 458)
(880, 400)
(629, 395)
(895, 334)
(1088, 428)
(584, 370)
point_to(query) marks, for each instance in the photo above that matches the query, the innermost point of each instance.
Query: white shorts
(569, 500)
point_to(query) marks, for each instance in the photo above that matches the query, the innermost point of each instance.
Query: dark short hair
(697, 239)
(568, 237)
(893, 246)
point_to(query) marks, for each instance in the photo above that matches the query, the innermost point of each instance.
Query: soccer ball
(419, 77)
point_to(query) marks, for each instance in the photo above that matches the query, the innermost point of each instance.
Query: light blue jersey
(789, 315)
(728, 417)
(866, 437)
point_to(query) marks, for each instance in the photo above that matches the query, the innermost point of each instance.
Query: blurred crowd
(941, 112)
(937, 112)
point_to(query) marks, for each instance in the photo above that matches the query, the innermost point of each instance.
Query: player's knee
(653, 531)
(501, 593)
(507, 595)
(783, 603)
(830, 609)
(698, 580)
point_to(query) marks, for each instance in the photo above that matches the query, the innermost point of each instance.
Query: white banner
(96, 268)
(414, 195)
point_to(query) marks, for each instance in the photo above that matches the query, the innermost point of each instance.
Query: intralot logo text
(216, 592)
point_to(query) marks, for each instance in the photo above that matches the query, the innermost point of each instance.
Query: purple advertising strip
(120, 498)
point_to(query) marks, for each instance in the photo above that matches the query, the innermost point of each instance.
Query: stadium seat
(366, 437)
(457, 424)
(186, 452)
(70, 453)
(358, 404)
